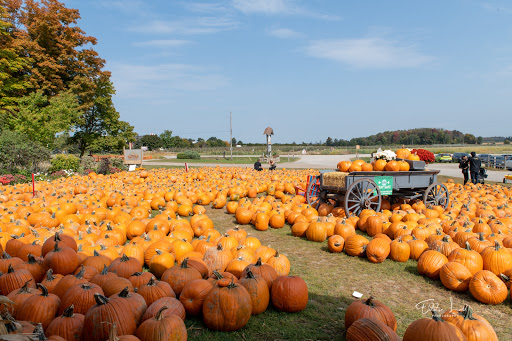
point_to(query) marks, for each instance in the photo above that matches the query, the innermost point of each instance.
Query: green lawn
(220, 160)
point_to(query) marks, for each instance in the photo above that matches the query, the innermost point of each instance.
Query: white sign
(131, 168)
(133, 156)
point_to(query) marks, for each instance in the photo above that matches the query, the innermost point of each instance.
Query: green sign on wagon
(385, 184)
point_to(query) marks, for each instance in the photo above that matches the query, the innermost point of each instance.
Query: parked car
(444, 158)
(457, 156)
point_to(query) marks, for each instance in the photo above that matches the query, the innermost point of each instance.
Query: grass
(221, 160)
(331, 280)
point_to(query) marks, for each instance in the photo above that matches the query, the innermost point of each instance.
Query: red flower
(424, 155)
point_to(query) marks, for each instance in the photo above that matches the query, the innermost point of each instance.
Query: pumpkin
(161, 327)
(369, 329)
(335, 243)
(19, 296)
(377, 250)
(487, 288)
(51, 280)
(258, 290)
(399, 251)
(473, 326)
(138, 279)
(40, 308)
(355, 245)
(289, 294)
(133, 300)
(58, 238)
(430, 263)
(103, 277)
(63, 260)
(227, 307)
(174, 308)
(434, 328)
(97, 261)
(369, 308)
(193, 295)
(472, 260)
(116, 285)
(455, 276)
(125, 266)
(14, 280)
(154, 290)
(67, 282)
(69, 325)
(280, 263)
(261, 269)
(106, 312)
(81, 297)
(179, 275)
(496, 258)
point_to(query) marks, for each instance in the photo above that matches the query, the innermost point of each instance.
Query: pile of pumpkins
(371, 319)
(468, 246)
(89, 259)
(380, 165)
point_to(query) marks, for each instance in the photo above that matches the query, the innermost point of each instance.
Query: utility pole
(231, 134)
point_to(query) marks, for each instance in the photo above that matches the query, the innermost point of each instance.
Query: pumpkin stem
(220, 247)
(159, 316)
(497, 245)
(137, 274)
(95, 253)
(81, 273)
(5, 255)
(124, 258)
(125, 293)
(217, 274)
(151, 282)
(467, 313)
(57, 237)
(250, 274)
(10, 269)
(25, 289)
(258, 263)
(69, 311)
(31, 259)
(44, 291)
(158, 252)
(232, 284)
(184, 264)
(436, 316)
(504, 277)
(369, 301)
(100, 299)
(105, 270)
(39, 333)
(56, 246)
(49, 275)
(468, 247)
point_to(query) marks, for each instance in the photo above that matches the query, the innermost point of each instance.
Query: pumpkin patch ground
(122, 242)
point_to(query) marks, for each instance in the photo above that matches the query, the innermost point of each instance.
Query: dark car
(457, 156)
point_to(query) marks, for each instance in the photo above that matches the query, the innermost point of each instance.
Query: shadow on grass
(313, 323)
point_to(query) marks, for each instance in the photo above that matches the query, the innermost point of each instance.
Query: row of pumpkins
(90, 273)
(380, 165)
(371, 320)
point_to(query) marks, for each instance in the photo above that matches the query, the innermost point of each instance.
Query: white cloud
(283, 33)
(262, 6)
(162, 43)
(368, 53)
(203, 7)
(199, 25)
(491, 7)
(159, 81)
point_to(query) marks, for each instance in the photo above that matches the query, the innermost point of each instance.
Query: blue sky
(309, 69)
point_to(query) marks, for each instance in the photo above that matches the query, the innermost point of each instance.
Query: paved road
(330, 161)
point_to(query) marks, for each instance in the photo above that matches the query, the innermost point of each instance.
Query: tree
(329, 142)
(41, 118)
(233, 141)
(469, 139)
(13, 64)
(166, 139)
(479, 140)
(100, 119)
(151, 141)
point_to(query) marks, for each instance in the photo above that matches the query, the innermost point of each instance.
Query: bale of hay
(334, 179)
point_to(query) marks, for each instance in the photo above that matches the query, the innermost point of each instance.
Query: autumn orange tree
(52, 55)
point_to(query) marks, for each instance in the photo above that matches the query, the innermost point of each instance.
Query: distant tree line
(425, 136)
(167, 141)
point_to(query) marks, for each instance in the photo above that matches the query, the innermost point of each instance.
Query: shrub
(19, 154)
(65, 162)
(88, 162)
(118, 163)
(506, 142)
(188, 155)
(104, 167)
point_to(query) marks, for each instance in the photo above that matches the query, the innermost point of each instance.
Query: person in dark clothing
(474, 167)
(464, 165)
(257, 166)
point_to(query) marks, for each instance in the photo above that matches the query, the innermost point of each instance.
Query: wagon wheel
(436, 195)
(362, 194)
(313, 191)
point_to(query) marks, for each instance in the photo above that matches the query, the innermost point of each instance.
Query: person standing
(474, 167)
(464, 165)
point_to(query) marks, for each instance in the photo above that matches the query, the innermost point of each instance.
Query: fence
(499, 162)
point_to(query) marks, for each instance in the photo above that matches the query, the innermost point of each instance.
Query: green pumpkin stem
(436, 316)
(104, 271)
(467, 313)
(258, 263)
(184, 264)
(10, 269)
(152, 281)
(125, 293)
(217, 275)
(468, 247)
(369, 301)
(25, 289)
(81, 273)
(95, 253)
(125, 258)
(250, 274)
